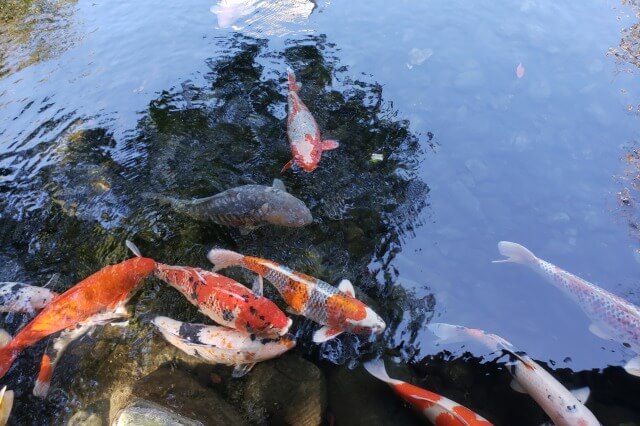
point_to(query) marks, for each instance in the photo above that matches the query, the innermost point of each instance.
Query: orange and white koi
(436, 408)
(565, 408)
(303, 131)
(25, 298)
(613, 318)
(101, 295)
(222, 345)
(337, 309)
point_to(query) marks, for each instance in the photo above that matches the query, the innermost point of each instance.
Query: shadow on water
(68, 206)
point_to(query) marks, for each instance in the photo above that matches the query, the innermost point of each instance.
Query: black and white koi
(222, 345)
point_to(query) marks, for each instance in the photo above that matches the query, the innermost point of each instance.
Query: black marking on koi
(227, 315)
(190, 332)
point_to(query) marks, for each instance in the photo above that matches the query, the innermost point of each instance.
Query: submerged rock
(180, 391)
(288, 390)
(145, 413)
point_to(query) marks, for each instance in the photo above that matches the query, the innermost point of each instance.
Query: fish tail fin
(43, 382)
(515, 253)
(291, 77)
(162, 199)
(8, 354)
(447, 333)
(6, 403)
(377, 369)
(224, 258)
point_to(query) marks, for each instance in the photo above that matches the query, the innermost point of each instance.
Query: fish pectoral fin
(599, 331)
(633, 366)
(6, 403)
(241, 370)
(278, 184)
(326, 333)
(122, 324)
(329, 144)
(258, 285)
(346, 287)
(291, 311)
(581, 394)
(516, 386)
(287, 166)
(5, 338)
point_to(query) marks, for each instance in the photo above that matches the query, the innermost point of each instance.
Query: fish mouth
(308, 167)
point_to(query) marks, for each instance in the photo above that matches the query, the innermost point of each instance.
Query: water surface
(103, 101)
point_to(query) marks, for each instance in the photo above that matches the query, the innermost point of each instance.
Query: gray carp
(248, 207)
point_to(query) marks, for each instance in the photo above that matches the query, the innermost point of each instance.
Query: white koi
(613, 318)
(565, 408)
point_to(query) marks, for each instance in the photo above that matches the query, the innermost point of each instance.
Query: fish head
(371, 323)
(291, 212)
(308, 166)
(355, 316)
(265, 319)
(141, 267)
(277, 346)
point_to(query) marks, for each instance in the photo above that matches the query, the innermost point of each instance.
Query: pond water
(102, 102)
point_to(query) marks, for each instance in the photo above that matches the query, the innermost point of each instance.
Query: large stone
(145, 413)
(286, 391)
(180, 391)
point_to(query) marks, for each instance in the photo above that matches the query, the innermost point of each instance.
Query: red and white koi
(613, 318)
(24, 298)
(337, 309)
(303, 131)
(101, 295)
(222, 345)
(224, 300)
(436, 408)
(565, 408)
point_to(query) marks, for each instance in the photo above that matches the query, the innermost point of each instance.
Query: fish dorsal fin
(241, 370)
(258, 285)
(278, 184)
(516, 386)
(326, 333)
(581, 394)
(346, 287)
(134, 249)
(329, 144)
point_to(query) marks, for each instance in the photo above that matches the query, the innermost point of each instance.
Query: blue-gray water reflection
(537, 159)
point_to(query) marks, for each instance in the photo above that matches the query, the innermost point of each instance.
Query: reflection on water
(32, 31)
(262, 18)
